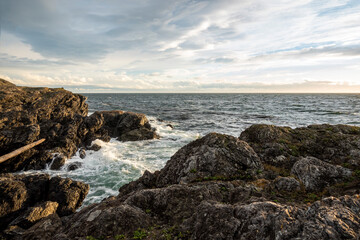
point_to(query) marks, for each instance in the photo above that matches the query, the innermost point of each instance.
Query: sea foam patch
(118, 163)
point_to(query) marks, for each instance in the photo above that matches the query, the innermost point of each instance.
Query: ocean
(182, 118)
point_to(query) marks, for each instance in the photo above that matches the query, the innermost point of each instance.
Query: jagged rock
(29, 114)
(287, 184)
(336, 144)
(13, 195)
(73, 166)
(317, 174)
(58, 161)
(34, 214)
(25, 199)
(203, 211)
(69, 194)
(128, 126)
(215, 155)
(138, 134)
(59, 116)
(44, 229)
(106, 220)
(331, 218)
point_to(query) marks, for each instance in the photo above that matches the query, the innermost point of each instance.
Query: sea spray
(118, 163)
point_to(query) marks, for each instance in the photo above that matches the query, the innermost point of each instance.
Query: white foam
(118, 163)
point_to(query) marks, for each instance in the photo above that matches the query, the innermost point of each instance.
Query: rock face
(26, 199)
(218, 187)
(215, 156)
(68, 193)
(125, 126)
(34, 214)
(316, 174)
(288, 184)
(59, 116)
(29, 114)
(335, 144)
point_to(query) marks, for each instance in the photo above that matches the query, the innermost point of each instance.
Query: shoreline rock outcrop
(221, 187)
(270, 183)
(26, 199)
(29, 114)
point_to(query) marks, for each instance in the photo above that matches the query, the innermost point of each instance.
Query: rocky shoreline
(269, 183)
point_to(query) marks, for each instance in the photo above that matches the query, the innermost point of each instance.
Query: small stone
(82, 153)
(73, 166)
(95, 147)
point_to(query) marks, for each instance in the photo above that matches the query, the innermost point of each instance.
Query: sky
(182, 45)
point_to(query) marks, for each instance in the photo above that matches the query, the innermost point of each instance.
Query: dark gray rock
(82, 153)
(44, 229)
(289, 184)
(215, 155)
(317, 174)
(336, 144)
(73, 166)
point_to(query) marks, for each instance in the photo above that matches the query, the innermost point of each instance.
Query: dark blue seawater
(194, 115)
(232, 113)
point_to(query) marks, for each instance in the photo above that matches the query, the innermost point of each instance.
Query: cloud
(174, 42)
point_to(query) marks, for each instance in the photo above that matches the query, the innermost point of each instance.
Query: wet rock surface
(59, 116)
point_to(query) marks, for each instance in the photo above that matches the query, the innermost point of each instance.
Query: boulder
(13, 195)
(288, 184)
(68, 193)
(44, 229)
(128, 126)
(73, 166)
(215, 156)
(26, 199)
(316, 174)
(336, 144)
(34, 214)
(82, 153)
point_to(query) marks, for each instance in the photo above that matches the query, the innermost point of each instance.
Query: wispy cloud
(182, 45)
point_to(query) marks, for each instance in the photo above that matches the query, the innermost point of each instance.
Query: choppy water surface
(194, 115)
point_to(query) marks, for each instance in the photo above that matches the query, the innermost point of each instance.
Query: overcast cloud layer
(182, 46)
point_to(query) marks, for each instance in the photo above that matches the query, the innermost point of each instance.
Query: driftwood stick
(20, 150)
